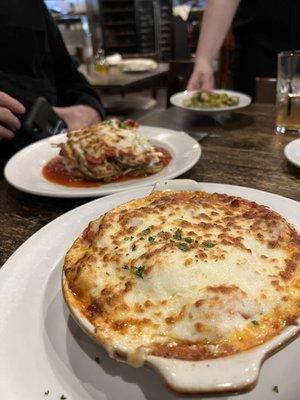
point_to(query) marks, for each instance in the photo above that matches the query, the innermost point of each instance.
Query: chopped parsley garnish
(128, 238)
(208, 245)
(63, 397)
(188, 239)
(178, 234)
(275, 389)
(133, 248)
(183, 246)
(146, 231)
(107, 122)
(151, 239)
(125, 267)
(47, 392)
(97, 359)
(254, 322)
(139, 271)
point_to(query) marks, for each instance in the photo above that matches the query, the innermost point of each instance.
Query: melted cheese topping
(108, 150)
(188, 275)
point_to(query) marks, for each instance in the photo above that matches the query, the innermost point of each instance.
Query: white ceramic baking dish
(233, 373)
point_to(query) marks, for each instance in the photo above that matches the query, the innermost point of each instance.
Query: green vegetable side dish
(210, 100)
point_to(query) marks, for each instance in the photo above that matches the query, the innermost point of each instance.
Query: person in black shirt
(34, 62)
(261, 28)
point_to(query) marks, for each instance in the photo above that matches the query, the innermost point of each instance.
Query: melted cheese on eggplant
(188, 275)
(108, 150)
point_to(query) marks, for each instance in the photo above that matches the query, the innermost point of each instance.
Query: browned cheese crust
(186, 275)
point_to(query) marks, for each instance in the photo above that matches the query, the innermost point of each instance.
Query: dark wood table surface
(116, 79)
(243, 150)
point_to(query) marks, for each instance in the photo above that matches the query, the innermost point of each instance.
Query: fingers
(12, 104)
(190, 85)
(207, 82)
(6, 133)
(201, 81)
(9, 119)
(193, 83)
(8, 107)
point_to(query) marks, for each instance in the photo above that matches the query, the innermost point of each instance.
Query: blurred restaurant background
(164, 31)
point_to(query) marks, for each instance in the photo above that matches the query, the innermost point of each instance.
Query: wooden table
(244, 151)
(117, 80)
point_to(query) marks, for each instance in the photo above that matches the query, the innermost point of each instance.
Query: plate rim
(287, 152)
(93, 192)
(248, 99)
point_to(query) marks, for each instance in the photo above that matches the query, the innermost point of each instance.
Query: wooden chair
(179, 73)
(265, 90)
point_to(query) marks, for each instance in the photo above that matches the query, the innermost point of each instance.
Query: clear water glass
(288, 92)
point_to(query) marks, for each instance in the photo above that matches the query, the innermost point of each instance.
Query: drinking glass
(288, 92)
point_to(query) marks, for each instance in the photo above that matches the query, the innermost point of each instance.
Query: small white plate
(42, 348)
(138, 65)
(23, 170)
(178, 98)
(292, 152)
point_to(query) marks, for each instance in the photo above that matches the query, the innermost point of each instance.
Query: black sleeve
(72, 87)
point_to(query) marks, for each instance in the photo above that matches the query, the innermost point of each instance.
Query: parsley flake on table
(47, 392)
(183, 246)
(208, 245)
(275, 389)
(178, 234)
(63, 397)
(254, 322)
(139, 271)
(97, 359)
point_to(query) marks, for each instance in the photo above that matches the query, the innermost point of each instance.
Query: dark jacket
(262, 29)
(34, 62)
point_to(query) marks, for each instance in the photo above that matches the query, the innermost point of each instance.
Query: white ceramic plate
(292, 152)
(43, 349)
(138, 65)
(23, 170)
(178, 98)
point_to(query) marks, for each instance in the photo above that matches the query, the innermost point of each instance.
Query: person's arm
(78, 103)
(218, 16)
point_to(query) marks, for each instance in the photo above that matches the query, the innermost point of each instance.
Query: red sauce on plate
(166, 155)
(55, 172)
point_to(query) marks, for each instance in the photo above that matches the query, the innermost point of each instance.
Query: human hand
(77, 117)
(202, 77)
(8, 121)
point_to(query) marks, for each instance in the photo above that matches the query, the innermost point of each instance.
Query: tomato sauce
(55, 172)
(166, 155)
